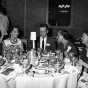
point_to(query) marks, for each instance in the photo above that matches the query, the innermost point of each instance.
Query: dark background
(37, 12)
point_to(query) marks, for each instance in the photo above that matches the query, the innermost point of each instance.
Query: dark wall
(15, 11)
(79, 21)
(37, 13)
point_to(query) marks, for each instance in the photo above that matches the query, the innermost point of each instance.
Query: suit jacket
(83, 53)
(50, 43)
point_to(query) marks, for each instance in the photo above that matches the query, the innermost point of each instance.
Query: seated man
(45, 42)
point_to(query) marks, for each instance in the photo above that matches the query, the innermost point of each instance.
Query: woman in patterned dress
(12, 47)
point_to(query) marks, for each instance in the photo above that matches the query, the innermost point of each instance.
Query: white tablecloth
(58, 81)
(25, 81)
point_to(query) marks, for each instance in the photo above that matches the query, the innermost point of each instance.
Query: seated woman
(12, 47)
(65, 45)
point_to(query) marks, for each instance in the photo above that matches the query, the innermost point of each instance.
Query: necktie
(43, 44)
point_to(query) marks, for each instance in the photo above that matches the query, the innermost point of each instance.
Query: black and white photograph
(43, 43)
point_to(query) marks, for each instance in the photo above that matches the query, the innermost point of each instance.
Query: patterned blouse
(12, 50)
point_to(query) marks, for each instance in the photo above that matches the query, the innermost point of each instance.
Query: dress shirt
(87, 52)
(41, 41)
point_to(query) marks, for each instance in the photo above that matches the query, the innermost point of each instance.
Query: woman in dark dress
(66, 47)
(64, 43)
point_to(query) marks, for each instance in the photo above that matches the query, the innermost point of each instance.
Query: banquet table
(47, 81)
(45, 75)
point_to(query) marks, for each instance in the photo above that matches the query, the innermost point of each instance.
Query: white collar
(45, 41)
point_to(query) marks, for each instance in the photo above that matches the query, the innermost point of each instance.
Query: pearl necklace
(14, 41)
